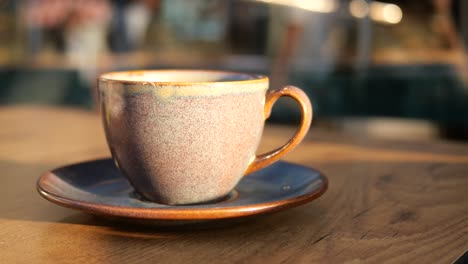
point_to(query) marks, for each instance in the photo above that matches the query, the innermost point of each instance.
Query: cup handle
(301, 98)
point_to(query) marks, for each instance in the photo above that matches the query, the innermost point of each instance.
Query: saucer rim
(179, 213)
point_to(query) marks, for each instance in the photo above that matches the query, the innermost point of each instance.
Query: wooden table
(403, 202)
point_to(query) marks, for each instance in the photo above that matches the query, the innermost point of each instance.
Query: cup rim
(255, 78)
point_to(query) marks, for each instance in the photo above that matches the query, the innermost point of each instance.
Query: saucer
(97, 187)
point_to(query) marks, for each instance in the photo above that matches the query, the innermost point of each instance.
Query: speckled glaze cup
(189, 136)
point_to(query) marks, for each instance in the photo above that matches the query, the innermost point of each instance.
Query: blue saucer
(97, 187)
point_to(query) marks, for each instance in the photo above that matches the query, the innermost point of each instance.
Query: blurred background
(393, 69)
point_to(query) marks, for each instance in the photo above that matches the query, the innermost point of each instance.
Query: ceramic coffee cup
(189, 136)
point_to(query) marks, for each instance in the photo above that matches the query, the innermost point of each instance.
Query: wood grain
(397, 202)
